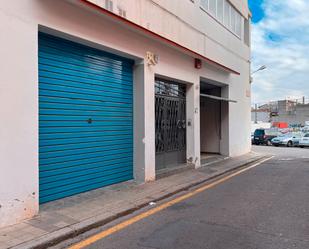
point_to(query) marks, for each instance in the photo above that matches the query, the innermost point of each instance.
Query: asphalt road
(266, 207)
(283, 152)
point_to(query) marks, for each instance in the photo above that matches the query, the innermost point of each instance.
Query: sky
(280, 40)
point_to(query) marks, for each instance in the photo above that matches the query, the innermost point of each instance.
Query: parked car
(304, 141)
(252, 138)
(289, 139)
(264, 136)
(296, 138)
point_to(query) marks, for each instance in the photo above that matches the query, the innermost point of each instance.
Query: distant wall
(261, 116)
(299, 116)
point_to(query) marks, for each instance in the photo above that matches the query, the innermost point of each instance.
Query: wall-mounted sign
(152, 59)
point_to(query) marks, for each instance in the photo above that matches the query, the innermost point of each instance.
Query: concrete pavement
(266, 207)
(71, 216)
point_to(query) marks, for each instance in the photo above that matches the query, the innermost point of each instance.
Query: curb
(74, 230)
(216, 161)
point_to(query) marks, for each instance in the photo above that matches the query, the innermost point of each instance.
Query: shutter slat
(85, 118)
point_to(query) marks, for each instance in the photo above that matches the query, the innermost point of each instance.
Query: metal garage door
(85, 118)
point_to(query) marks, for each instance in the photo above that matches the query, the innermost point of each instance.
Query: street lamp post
(256, 114)
(259, 69)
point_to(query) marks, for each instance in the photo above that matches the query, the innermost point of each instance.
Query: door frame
(177, 156)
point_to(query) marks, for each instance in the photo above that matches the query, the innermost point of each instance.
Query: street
(283, 153)
(265, 207)
(130, 124)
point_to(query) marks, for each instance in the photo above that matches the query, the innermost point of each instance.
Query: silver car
(304, 141)
(296, 138)
(289, 139)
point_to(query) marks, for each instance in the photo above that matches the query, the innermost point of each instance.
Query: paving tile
(14, 242)
(90, 221)
(142, 201)
(62, 224)
(42, 224)
(24, 237)
(47, 238)
(122, 208)
(3, 230)
(3, 245)
(63, 218)
(37, 232)
(78, 216)
(7, 230)
(15, 234)
(4, 239)
(14, 228)
(99, 212)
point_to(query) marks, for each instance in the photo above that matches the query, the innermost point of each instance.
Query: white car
(296, 138)
(304, 141)
(289, 139)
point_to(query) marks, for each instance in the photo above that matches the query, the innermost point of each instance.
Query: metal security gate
(85, 118)
(170, 115)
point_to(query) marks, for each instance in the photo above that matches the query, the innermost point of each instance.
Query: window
(247, 31)
(220, 10)
(109, 5)
(122, 12)
(238, 24)
(259, 132)
(204, 4)
(213, 7)
(233, 19)
(226, 14)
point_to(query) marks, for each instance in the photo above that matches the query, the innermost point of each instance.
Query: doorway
(213, 120)
(170, 124)
(211, 123)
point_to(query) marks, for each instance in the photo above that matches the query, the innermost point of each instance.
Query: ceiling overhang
(217, 98)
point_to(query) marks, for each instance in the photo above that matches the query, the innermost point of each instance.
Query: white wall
(187, 24)
(19, 126)
(263, 116)
(19, 25)
(240, 112)
(193, 117)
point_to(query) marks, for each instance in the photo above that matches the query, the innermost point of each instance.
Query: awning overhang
(217, 98)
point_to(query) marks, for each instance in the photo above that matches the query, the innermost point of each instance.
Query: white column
(19, 121)
(193, 124)
(225, 121)
(144, 124)
(150, 146)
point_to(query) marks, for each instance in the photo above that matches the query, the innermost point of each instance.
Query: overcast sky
(280, 40)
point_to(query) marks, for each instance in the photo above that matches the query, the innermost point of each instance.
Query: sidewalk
(62, 219)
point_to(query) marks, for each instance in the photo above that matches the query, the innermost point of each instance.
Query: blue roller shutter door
(85, 118)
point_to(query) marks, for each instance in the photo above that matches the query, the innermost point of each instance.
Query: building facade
(294, 112)
(99, 92)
